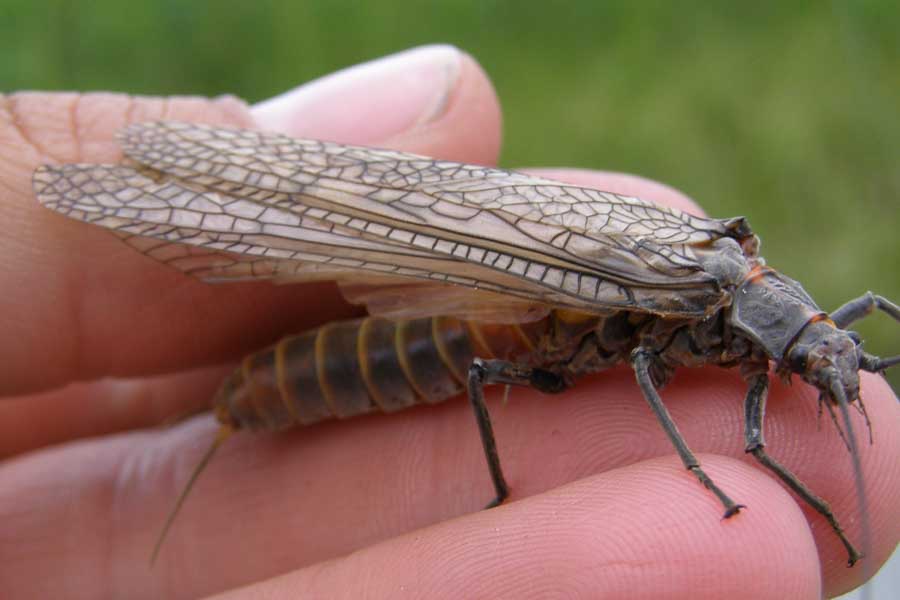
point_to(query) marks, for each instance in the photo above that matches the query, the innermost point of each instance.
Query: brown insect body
(355, 367)
(474, 276)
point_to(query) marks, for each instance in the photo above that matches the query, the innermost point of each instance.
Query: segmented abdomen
(356, 367)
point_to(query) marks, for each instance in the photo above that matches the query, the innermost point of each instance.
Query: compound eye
(797, 359)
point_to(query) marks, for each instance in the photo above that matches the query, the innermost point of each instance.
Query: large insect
(473, 276)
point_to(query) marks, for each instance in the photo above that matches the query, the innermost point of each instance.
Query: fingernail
(368, 102)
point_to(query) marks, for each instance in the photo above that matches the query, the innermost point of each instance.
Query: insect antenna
(860, 407)
(823, 401)
(223, 434)
(506, 390)
(873, 364)
(819, 408)
(837, 391)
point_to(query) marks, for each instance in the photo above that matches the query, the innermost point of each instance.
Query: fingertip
(433, 100)
(368, 102)
(672, 535)
(645, 531)
(470, 127)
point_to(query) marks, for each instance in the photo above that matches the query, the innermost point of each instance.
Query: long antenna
(837, 391)
(224, 432)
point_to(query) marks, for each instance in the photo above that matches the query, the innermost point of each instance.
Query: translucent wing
(219, 238)
(626, 235)
(394, 298)
(266, 206)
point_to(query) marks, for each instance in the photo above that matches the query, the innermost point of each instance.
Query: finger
(89, 409)
(638, 532)
(271, 503)
(76, 301)
(431, 100)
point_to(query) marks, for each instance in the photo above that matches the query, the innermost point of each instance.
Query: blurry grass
(784, 112)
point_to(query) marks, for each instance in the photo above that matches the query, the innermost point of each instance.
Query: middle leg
(641, 359)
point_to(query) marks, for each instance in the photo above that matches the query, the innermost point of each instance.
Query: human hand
(385, 505)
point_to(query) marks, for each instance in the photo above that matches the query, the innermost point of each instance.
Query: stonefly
(472, 276)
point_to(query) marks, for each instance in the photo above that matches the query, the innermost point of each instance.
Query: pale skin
(381, 506)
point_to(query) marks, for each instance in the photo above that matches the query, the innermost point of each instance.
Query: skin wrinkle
(16, 157)
(10, 109)
(74, 126)
(109, 496)
(129, 479)
(6, 188)
(69, 348)
(440, 106)
(433, 138)
(49, 154)
(236, 110)
(107, 565)
(73, 280)
(93, 124)
(73, 275)
(129, 110)
(164, 112)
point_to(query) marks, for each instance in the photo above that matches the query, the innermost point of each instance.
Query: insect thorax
(578, 344)
(772, 309)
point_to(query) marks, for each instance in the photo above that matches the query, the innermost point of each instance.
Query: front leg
(486, 372)
(863, 306)
(859, 308)
(641, 359)
(754, 413)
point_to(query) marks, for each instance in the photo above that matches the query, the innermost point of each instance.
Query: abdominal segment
(351, 368)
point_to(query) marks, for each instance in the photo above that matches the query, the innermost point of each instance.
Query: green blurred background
(786, 112)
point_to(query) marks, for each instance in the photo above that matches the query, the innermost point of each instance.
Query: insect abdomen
(351, 368)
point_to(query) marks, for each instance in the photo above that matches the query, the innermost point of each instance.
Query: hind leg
(486, 372)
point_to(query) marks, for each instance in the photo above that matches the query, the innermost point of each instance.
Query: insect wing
(267, 206)
(219, 238)
(625, 238)
(393, 298)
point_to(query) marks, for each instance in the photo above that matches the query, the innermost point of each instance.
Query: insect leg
(859, 308)
(486, 372)
(863, 306)
(641, 359)
(873, 364)
(754, 412)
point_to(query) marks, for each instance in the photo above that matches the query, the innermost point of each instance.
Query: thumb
(432, 100)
